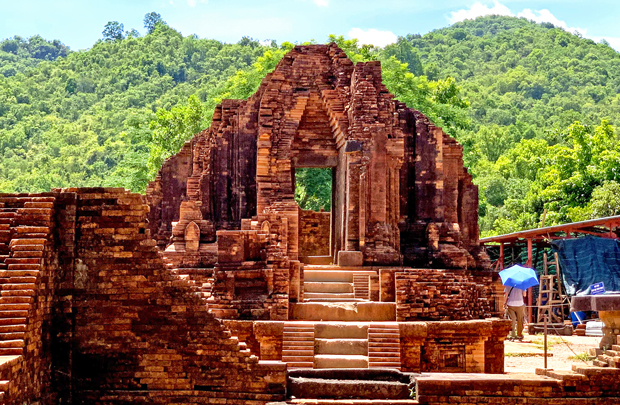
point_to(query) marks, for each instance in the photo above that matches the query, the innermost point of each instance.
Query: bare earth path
(526, 356)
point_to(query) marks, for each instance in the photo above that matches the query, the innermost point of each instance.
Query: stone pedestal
(608, 307)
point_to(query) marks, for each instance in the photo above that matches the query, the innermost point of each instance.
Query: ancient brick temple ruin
(216, 287)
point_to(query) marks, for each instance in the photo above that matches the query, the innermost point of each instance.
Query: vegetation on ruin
(534, 106)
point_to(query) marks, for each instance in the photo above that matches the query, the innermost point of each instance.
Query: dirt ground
(527, 355)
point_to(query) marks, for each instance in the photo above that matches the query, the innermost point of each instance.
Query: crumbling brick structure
(401, 195)
(99, 319)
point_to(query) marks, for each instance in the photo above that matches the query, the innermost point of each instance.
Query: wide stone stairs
(329, 283)
(322, 345)
(349, 386)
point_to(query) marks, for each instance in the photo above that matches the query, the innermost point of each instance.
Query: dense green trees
(535, 108)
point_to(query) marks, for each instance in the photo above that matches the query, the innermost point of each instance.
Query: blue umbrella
(519, 277)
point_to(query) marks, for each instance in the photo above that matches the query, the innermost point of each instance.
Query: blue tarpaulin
(589, 260)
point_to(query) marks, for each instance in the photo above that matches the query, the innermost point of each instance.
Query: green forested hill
(543, 106)
(534, 106)
(83, 119)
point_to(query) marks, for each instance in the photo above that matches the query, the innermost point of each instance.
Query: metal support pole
(501, 256)
(545, 341)
(530, 300)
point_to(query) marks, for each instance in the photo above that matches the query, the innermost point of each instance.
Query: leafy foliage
(534, 107)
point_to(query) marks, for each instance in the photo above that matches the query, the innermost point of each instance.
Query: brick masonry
(113, 323)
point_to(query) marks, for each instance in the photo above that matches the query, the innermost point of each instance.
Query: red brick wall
(314, 231)
(120, 327)
(439, 295)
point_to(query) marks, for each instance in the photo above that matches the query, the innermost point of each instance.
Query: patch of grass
(551, 341)
(517, 354)
(581, 357)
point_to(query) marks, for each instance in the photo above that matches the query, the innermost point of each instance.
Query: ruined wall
(401, 194)
(123, 328)
(314, 233)
(430, 294)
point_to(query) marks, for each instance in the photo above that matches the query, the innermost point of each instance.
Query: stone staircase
(607, 358)
(329, 283)
(298, 344)
(19, 268)
(341, 345)
(384, 345)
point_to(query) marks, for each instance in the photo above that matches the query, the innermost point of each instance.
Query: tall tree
(151, 20)
(113, 31)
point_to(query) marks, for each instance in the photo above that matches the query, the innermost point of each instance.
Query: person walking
(515, 309)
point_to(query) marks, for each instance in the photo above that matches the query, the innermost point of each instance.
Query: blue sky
(78, 23)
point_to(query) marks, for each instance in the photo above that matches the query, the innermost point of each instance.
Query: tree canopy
(535, 108)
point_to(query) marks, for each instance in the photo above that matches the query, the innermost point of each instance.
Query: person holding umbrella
(516, 280)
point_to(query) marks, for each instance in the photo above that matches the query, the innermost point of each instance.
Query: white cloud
(545, 15)
(373, 37)
(478, 10)
(614, 42)
(321, 3)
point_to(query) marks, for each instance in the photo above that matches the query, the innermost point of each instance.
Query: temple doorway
(313, 194)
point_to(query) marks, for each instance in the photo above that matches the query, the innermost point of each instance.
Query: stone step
(386, 355)
(298, 348)
(340, 361)
(383, 334)
(302, 401)
(13, 314)
(382, 349)
(27, 248)
(300, 364)
(333, 296)
(384, 364)
(15, 306)
(28, 242)
(11, 351)
(23, 260)
(6, 336)
(13, 328)
(14, 343)
(28, 266)
(343, 276)
(309, 352)
(17, 286)
(299, 328)
(16, 293)
(18, 280)
(343, 311)
(298, 359)
(22, 229)
(341, 330)
(16, 300)
(12, 321)
(298, 334)
(335, 300)
(395, 340)
(342, 346)
(327, 287)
